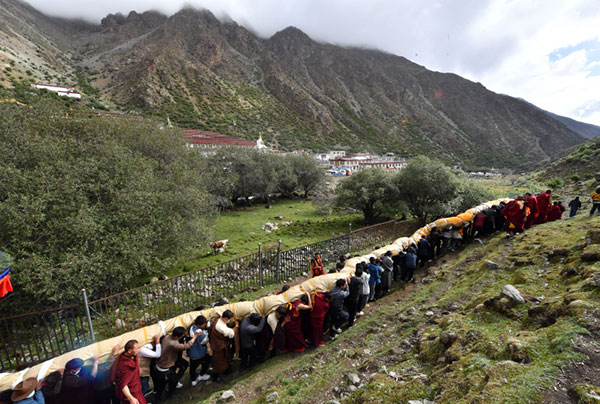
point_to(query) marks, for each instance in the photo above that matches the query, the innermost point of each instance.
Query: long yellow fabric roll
(264, 305)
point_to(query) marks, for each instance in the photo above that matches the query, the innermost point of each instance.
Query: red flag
(5, 285)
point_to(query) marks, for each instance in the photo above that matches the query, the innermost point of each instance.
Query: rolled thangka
(263, 305)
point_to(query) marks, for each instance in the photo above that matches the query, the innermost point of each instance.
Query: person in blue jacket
(375, 279)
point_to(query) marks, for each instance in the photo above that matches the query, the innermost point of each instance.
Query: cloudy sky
(545, 51)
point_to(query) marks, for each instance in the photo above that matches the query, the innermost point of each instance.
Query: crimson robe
(128, 374)
(543, 205)
(515, 215)
(294, 338)
(533, 211)
(554, 214)
(317, 316)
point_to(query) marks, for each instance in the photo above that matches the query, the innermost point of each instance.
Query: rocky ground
(503, 321)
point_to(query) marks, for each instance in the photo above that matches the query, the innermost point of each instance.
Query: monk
(294, 338)
(555, 213)
(316, 266)
(531, 202)
(514, 211)
(544, 203)
(317, 317)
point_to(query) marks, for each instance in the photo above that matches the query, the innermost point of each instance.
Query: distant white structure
(359, 161)
(63, 91)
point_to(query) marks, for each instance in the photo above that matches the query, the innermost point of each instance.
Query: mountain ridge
(298, 93)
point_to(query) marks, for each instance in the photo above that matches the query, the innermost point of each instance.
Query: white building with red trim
(63, 91)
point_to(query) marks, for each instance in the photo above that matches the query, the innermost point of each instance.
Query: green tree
(427, 187)
(369, 191)
(94, 202)
(309, 175)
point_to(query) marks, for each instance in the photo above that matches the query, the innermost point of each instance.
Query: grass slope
(449, 338)
(243, 229)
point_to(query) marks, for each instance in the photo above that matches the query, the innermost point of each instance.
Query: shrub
(575, 178)
(555, 183)
(588, 176)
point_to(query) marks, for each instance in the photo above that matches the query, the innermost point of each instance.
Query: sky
(544, 51)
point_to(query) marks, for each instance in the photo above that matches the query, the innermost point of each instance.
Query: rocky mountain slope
(460, 334)
(586, 130)
(211, 74)
(582, 162)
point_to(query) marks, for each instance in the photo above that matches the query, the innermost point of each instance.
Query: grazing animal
(219, 246)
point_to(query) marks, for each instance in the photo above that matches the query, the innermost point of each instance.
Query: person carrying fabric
(77, 384)
(198, 353)
(128, 387)
(354, 290)
(338, 315)
(317, 317)
(294, 337)
(166, 374)
(28, 392)
(219, 335)
(365, 289)
(410, 264)
(532, 205)
(544, 203)
(250, 327)
(374, 279)
(147, 357)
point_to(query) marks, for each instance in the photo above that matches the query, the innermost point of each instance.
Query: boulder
(491, 264)
(227, 395)
(273, 397)
(593, 236)
(512, 293)
(353, 378)
(448, 338)
(591, 253)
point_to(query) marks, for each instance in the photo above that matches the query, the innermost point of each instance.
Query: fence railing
(35, 337)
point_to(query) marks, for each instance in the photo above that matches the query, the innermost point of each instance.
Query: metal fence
(32, 338)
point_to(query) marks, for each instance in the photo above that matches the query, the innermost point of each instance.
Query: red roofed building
(213, 140)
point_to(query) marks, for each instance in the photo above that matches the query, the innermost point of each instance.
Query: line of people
(207, 348)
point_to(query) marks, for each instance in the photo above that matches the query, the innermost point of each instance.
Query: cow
(219, 246)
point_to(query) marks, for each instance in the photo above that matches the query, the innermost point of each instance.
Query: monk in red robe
(514, 211)
(317, 316)
(316, 266)
(554, 213)
(531, 203)
(544, 203)
(294, 337)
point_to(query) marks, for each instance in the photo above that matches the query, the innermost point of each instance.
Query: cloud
(544, 51)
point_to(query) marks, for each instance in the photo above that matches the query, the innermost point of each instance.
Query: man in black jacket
(354, 289)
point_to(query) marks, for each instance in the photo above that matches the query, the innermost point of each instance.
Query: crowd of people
(207, 348)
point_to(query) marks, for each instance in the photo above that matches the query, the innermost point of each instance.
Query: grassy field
(243, 229)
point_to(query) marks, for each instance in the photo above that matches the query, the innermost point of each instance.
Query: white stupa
(260, 143)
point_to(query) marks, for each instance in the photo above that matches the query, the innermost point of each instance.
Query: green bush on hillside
(555, 182)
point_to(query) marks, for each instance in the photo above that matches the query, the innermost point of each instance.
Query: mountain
(585, 130)
(300, 94)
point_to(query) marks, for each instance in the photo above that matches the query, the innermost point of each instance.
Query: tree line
(426, 189)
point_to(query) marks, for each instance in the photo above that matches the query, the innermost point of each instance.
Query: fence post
(278, 266)
(349, 236)
(87, 314)
(260, 266)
